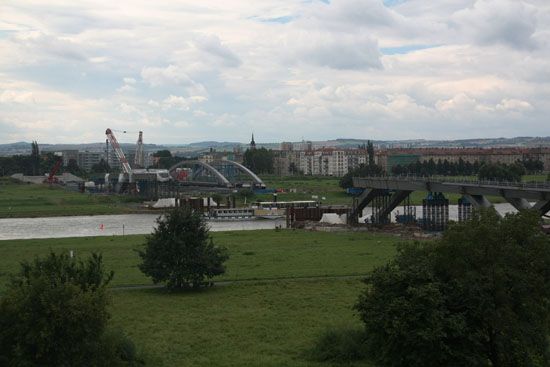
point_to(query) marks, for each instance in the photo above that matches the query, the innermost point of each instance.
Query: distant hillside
(197, 147)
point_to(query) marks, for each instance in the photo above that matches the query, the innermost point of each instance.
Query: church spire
(252, 143)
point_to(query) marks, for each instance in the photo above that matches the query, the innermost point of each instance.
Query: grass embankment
(272, 321)
(20, 200)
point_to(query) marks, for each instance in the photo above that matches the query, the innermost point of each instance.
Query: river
(116, 225)
(107, 225)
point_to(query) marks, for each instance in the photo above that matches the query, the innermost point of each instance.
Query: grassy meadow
(254, 255)
(289, 286)
(21, 200)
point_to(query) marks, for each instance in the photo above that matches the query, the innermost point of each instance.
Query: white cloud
(172, 74)
(514, 105)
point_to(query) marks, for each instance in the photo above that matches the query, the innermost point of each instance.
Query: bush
(479, 294)
(181, 252)
(343, 344)
(54, 314)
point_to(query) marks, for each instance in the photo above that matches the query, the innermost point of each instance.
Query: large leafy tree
(259, 160)
(180, 251)
(54, 313)
(479, 296)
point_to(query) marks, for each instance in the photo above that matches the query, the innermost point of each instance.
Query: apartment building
(323, 162)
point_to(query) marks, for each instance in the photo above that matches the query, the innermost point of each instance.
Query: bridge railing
(464, 180)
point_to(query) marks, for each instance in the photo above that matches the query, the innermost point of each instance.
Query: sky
(187, 71)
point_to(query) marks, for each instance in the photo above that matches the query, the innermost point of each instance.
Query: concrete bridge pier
(394, 201)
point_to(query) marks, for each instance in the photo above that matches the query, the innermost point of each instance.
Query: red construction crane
(118, 151)
(51, 179)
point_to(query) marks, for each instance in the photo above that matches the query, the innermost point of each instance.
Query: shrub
(54, 314)
(342, 344)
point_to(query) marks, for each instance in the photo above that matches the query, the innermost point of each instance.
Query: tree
(478, 294)
(501, 172)
(72, 167)
(54, 314)
(363, 170)
(181, 252)
(35, 158)
(101, 167)
(259, 160)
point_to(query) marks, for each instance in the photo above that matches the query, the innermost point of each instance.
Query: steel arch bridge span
(220, 179)
(257, 180)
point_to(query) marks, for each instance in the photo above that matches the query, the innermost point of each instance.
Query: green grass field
(297, 286)
(28, 200)
(263, 254)
(260, 324)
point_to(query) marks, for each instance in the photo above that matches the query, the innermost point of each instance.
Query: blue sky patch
(393, 2)
(401, 50)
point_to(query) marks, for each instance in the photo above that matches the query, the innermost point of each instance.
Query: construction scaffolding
(464, 209)
(435, 212)
(379, 203)
(409, 212)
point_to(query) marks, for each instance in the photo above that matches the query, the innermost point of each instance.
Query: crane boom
(138, 159)
(118, 151)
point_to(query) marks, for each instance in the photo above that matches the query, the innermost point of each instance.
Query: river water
(109, 225)
(502, 208)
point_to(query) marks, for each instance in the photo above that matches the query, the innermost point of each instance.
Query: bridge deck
(516, 193)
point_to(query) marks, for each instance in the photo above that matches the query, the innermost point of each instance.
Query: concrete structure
(518, 194)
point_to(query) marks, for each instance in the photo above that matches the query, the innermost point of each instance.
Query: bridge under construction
(386, 193)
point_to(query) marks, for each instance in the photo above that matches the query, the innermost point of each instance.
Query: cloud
(342, 52)
(514, 105)
(508, 22)
(290, 69)
(212, 45)
(172, 74)
(181, 103)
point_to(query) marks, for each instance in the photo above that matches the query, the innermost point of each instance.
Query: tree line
(507, 172)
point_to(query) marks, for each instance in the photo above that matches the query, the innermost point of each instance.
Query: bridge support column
(479, 201)
(395, 200)
(361, 202)
(519, 203)
(543, 206)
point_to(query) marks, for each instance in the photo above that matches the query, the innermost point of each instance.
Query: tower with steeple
(252, 143)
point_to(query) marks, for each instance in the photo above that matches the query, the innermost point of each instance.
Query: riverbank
(21, 200)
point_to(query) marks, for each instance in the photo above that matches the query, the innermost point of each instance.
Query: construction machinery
(51, 179)
(138, 158)
(128, 176)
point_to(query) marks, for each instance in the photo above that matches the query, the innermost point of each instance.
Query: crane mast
(118, 151)
(138, 159)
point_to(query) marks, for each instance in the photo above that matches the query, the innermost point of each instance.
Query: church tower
(252, 143)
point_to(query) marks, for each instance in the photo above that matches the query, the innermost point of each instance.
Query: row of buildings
(337, 162)
(87, 159)
(305, 158)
